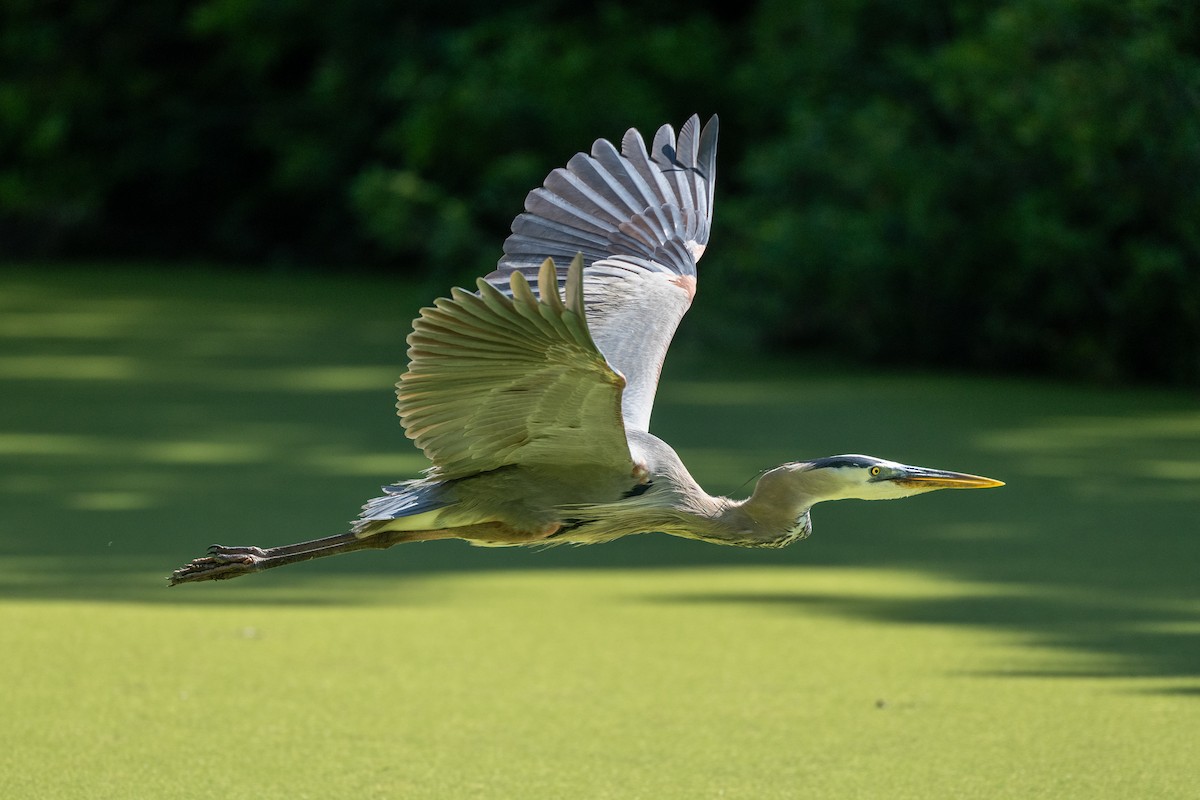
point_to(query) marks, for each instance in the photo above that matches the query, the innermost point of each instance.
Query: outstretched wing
(497, 379)
(640, 219)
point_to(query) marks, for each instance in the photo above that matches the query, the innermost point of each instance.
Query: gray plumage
(533, 404)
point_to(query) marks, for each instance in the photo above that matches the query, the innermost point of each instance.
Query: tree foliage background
(1009, 185)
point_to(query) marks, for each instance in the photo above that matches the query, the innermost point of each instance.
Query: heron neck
(774, 515)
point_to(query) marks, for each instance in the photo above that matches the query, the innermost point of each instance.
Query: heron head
(868, 478)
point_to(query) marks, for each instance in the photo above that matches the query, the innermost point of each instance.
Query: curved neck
(777, 513)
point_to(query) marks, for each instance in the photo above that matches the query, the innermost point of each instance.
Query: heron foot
(222, 563)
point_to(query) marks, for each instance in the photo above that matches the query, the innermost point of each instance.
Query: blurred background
(1005, 186)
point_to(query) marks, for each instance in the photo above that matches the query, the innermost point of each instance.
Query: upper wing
(497, 379)
(641, 221)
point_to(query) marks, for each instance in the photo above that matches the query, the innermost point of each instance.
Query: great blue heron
(534, 410)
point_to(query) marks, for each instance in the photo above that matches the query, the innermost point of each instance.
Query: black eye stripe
(834, 462)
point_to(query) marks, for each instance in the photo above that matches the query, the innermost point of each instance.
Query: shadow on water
(1126, 641)
(146, 416)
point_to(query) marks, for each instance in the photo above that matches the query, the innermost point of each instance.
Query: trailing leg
(223, 563)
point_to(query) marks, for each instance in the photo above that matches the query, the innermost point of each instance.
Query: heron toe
(226, 550)
(217, 567)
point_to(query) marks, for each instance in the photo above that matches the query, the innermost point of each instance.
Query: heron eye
(875, 471)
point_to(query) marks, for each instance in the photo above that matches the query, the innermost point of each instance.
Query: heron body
(532, 396)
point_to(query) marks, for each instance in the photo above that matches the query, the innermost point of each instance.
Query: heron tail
(416, 502)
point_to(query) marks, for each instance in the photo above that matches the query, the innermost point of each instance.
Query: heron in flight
(533, 407)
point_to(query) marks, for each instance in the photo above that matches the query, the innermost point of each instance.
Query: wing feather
(499, 379)
(619, 173)
(640, 219)
(633, 147)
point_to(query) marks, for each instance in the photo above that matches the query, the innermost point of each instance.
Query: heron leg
(223, 563)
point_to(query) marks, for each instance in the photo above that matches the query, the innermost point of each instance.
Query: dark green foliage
(1010, 185)
(1013, 186)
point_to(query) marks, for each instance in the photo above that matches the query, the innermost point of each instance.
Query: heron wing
(499, 379)
(640, 219)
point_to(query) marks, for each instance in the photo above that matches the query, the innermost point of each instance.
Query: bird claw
(222, 563)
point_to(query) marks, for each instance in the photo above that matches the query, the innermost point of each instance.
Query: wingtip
(548, 286)
(574, 286)
(522, 292)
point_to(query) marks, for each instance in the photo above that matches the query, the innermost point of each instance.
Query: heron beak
(922, 478)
